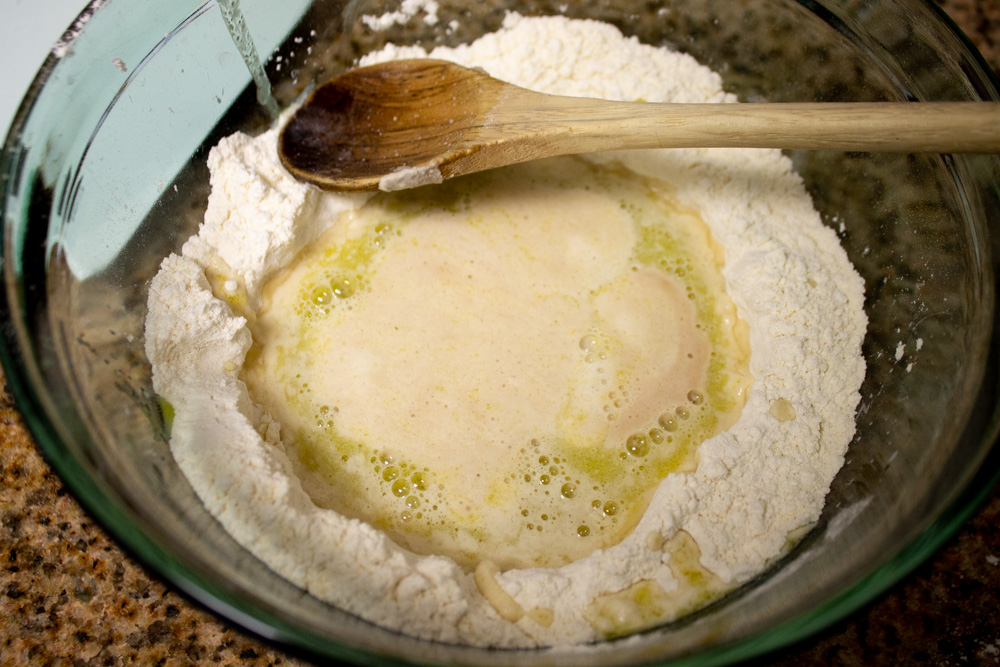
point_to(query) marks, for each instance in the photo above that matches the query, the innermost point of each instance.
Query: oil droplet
(544, 460)
(637, 445)
(782, 410)
(544, 479)
(568, 490)
(610, 508)
(583, 530)
(400, 488)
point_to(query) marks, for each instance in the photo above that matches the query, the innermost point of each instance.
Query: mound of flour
(765, 477)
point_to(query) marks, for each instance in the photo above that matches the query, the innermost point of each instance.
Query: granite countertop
(70, 595)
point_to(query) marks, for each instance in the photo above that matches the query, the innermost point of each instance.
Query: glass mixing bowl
(103, 174)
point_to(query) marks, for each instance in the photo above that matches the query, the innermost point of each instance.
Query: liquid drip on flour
(504, 367)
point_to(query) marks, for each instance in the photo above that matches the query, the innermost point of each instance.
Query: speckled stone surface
(70, 596)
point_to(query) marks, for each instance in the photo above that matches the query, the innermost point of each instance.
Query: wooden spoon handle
(410, 122)
(938, 127)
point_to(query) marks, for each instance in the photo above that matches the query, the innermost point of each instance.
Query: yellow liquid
(645, 604)
(505, 366)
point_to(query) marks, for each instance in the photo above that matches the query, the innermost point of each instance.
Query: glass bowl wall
(103, 174)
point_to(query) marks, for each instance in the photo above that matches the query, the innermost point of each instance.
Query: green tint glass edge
(933, 538)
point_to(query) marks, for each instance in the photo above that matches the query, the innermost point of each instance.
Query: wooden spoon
(413, 122)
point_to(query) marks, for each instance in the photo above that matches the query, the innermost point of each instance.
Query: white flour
(407, 10)
(765, 477)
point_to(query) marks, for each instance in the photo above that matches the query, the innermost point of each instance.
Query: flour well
(754, 485)
(546, 343)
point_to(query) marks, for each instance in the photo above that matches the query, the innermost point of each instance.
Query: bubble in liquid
(343, 287)
(682, 412)
(637, 445)
(419, 481)
(695, 397)
(568, 490)
(610, 508)
(390, 473)
(412, 502)
(321, 296)
(655, 436)
(588, 343)
(400, 488)
(544, 479)
(668, 423)
(583, 530)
